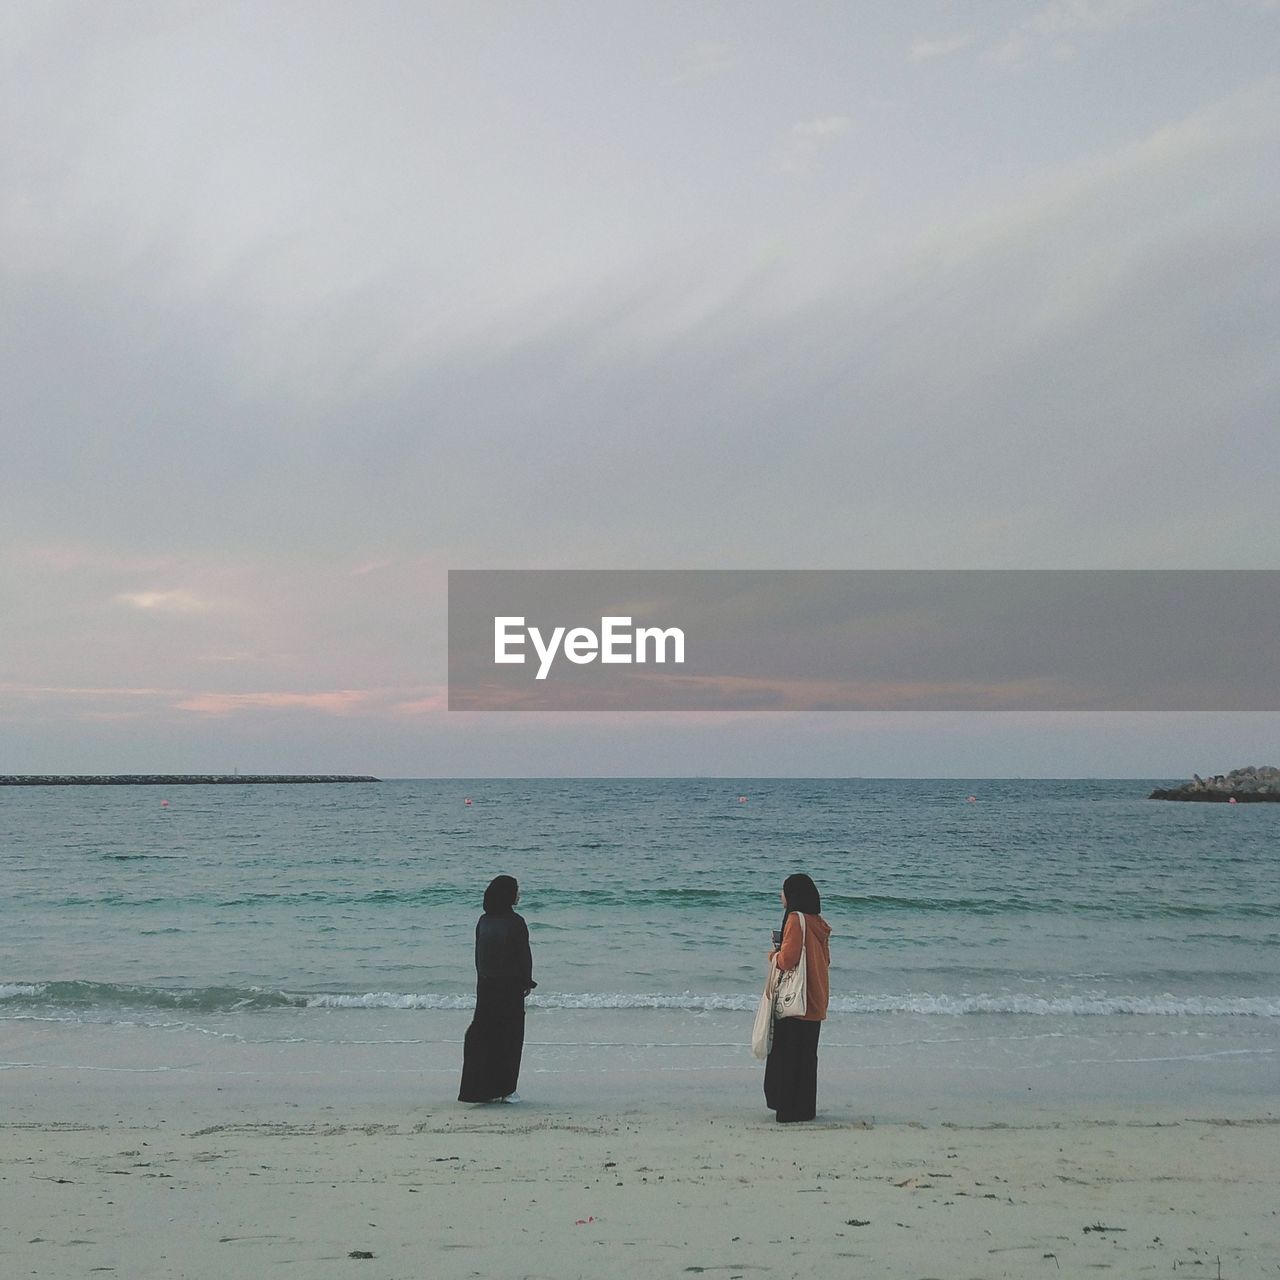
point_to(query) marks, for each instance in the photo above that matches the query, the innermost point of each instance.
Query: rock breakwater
(169, 779)
(1250, 784)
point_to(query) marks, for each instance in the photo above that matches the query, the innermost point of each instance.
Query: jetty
(1250, 785)
(171, 779)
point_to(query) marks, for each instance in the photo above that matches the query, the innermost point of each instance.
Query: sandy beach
(191, 1182)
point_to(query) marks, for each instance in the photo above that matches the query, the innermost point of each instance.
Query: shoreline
(887, 1065)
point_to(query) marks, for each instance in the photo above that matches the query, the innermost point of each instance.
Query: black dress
(495, 1039)
(791, 1070)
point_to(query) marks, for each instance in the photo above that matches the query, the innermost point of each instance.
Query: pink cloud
(859, 695)
(670, 692)
(74, 691)
(66, 557)
(334, 702)
(425, 705)
(372, 566)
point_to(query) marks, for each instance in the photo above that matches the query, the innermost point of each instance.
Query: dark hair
(802, 895)
(501, 894)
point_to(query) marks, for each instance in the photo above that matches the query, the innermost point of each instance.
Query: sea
(993, 940)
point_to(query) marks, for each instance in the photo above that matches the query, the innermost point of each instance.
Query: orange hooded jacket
(817, 957)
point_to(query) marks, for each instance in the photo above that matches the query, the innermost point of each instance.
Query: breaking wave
(22, 996)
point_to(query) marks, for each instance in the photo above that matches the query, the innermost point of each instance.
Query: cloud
(435, 701)
(1055, 28)
(704, 61)
(807, 139)
(108, 702)
(73, 557)
(52, 703)
(1138, 192)
(335, 702)
(924, 50)
(74, 691)
(719, 694)
(176, 602)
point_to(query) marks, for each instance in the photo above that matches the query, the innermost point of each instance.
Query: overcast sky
(306, 303)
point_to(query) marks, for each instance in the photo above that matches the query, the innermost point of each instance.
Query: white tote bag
(762, 1032)
(792, 996)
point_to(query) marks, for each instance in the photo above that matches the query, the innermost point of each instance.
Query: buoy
(742, 799)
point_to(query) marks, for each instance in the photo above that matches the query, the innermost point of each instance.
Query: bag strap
(804, 937)
(804, 940)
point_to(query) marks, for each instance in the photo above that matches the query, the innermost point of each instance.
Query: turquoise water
(1072, 921)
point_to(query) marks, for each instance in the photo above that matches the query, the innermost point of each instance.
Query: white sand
(189, 1183)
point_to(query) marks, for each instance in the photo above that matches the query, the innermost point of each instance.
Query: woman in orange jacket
(791, 1070)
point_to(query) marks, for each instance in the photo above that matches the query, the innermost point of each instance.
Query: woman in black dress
(504, 976)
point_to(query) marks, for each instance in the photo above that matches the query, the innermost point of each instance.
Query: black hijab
(801, 895)
(500, 896)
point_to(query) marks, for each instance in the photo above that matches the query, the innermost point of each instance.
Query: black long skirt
(494, 1042)
(791, 1070)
